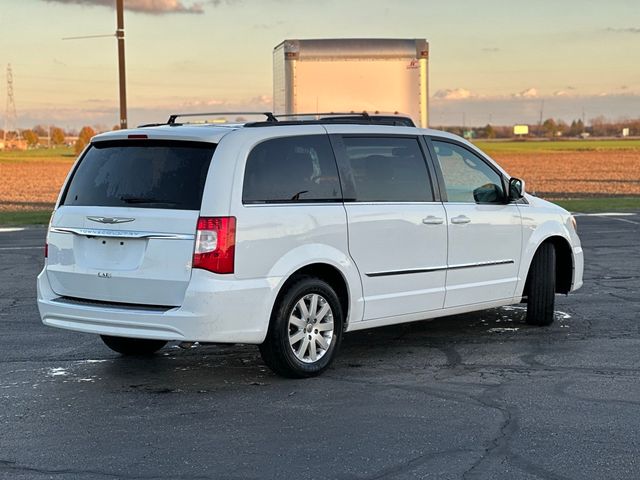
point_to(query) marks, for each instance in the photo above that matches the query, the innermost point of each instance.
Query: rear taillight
(215, 244)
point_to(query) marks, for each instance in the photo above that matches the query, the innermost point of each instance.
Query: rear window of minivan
(141, 173)
(293, 169)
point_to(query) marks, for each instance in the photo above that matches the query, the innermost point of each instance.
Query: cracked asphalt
(466, 397)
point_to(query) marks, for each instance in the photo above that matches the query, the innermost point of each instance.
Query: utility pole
(541, 114)
(121, 64)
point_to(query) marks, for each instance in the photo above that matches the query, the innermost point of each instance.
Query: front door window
(467, 178)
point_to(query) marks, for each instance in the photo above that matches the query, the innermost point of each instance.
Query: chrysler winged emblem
(110, 219)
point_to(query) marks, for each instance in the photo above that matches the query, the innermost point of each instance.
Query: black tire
(132, 346)
(541, 286)
(276, 350)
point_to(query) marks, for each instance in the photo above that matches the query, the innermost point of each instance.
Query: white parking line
(21, 248)
(605, 214)
(11, 229)
(611, 215)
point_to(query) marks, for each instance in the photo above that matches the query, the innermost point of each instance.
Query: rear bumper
(214, 310)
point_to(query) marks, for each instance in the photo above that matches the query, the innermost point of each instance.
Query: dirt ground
(32, 184)
(576, 174)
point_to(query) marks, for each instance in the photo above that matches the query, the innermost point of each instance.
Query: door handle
(460, 219)
(431, 220)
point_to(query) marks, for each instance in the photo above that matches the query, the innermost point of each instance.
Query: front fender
(534, 234)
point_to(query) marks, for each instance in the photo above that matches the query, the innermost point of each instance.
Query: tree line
(550, 128)
(56, 136)
(553, 128)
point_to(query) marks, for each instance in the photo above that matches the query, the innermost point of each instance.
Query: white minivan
(287, 234)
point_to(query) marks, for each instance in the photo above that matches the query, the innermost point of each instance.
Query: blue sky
(490, 61)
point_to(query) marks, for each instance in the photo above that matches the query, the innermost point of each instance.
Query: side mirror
(489, 193)
(516, 189)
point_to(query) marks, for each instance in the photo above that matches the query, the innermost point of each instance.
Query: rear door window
(292, 170)
(141, 173)
(388, 169)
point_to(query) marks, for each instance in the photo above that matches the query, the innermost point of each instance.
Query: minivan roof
(213, 133)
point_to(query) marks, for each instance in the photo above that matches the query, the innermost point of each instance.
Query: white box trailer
(359, 74)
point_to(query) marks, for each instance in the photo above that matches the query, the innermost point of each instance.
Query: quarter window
(467, 177)
(291, 170)
(388, 169)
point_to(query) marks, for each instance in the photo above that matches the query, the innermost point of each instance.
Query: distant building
(521, 129)
(13, 144)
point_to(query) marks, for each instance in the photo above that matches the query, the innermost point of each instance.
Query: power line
(121, 63)
(89, 36)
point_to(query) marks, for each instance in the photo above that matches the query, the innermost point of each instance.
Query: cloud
(217, 3)
(503, 110)
(213, 102)
(268, 26)
(509, 111)
(560, 93)
(623, 30)
(528, 93)
(490, 49)
(154, 7)
(260, 101)
(453, 94)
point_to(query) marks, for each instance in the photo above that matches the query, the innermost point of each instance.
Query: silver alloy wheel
(311, 328)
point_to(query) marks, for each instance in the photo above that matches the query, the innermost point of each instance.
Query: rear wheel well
(329, 274)
(564, 264)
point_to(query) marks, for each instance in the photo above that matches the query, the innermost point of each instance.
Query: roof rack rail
(318, 115)
(147, 125)
(363, 117)
(353, 117)
(172, 118)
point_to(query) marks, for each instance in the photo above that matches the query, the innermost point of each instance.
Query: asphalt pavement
(472, 396)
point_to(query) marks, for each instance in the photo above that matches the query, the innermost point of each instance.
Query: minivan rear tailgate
(126, 221)
(123, 255)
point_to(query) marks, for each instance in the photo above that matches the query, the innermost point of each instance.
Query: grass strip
(21, 218)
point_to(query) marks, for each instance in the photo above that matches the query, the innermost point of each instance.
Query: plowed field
(576, 174)
(31, 184)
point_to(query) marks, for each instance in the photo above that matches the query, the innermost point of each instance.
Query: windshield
(141, 173)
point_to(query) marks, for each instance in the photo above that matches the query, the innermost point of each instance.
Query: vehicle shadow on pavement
(434, 344)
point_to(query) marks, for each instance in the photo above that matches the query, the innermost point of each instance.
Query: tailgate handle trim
(95, 232)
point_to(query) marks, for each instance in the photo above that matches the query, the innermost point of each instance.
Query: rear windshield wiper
(297, 195)
(131, 199)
